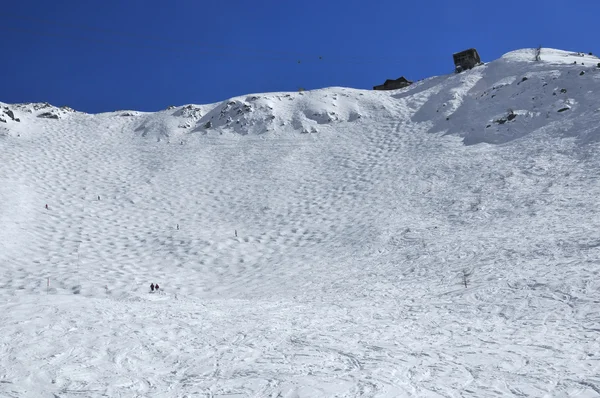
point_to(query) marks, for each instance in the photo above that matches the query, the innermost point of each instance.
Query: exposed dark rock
(189, 111)
(563, 109)
(582, 73)
(48, 115)
(10, 114)
(511, 116)
(42, 105)
(208, 125)
(563, 90)
(2, 120)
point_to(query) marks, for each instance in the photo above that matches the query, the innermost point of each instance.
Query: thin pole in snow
(78, 262)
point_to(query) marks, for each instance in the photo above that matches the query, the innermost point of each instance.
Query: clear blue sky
(146, 55)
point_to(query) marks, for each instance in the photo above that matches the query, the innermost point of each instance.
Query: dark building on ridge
(401, 82)
(466, 59)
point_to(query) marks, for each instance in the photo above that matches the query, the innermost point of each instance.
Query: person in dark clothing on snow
(152, 287)
(156, 287)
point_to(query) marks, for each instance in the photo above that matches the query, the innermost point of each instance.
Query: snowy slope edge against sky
(481, 91)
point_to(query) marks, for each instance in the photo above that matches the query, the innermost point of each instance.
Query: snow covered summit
(475, 104)
(437, 240)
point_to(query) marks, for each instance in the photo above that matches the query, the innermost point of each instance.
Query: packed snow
(440, 240)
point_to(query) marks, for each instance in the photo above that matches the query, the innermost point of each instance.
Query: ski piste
(437, 240)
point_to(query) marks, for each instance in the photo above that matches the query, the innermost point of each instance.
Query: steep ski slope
(310, 244)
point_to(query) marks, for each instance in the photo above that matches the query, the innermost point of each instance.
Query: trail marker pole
(78, 263)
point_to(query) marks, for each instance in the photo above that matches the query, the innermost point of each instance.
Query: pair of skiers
(153, 287)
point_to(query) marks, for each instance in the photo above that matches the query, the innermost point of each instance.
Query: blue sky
(146, 54)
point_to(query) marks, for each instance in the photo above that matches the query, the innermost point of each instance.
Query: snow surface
(310, 244)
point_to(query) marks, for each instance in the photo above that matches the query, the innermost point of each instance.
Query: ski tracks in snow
(302, 265)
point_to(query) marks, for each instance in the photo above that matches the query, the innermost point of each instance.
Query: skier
(46, 206)
(152, 287)
(156, 287)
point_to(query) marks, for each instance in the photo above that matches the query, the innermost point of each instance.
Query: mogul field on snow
(441, 239)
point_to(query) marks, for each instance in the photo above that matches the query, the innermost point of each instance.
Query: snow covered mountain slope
(436, 241)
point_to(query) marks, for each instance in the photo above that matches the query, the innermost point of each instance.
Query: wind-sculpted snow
(510, 98)
(333, 243)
